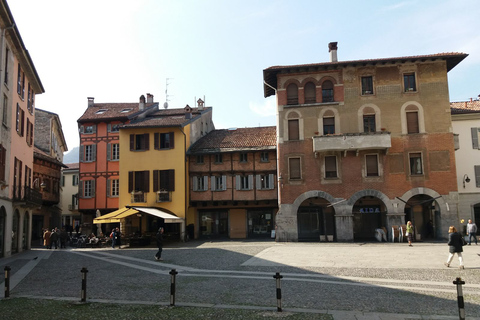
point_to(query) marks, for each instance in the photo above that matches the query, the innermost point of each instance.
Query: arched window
(412, 119)
(327, 91)
(369, 120)
(293, 126)
(328, 123)
(310, 94)
(292, 94)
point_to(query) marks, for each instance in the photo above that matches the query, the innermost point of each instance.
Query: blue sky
(117, 50)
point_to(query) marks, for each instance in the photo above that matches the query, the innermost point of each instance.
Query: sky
(117, 50)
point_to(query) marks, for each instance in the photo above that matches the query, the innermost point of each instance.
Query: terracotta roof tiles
(101, 111)
(463, 107)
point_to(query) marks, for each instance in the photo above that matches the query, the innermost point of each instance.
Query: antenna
(165, 105)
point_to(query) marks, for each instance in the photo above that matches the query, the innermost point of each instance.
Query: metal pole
(84, 285)
(7, 281)
(173, 273)
(461, 304)
(277, 276)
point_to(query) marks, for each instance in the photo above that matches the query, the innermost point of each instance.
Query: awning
(114, 216)
(168, 217)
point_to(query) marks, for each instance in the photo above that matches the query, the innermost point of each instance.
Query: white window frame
(88, 189)
(115, 152)
(115, 188)
(200, 183)
(265, 181)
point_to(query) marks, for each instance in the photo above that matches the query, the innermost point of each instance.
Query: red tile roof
(463, 107)
(73, 166)
(229, 140)
(112, 111)
(164, 118)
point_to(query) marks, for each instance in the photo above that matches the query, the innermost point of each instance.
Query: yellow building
(154, 170)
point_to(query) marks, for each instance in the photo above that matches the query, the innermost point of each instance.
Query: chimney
(332, 48)
(200, 104)
(149, 98)
(188, 112)
(90, 101)
(141, 105)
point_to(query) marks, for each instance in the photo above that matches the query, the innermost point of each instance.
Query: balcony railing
(164, 196)
(352, 142)
(27, 195)
(138, 196)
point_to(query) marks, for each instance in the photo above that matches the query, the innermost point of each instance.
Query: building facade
(69, 197)
(466, 125)
(363, 145)
(233, 184)
(20, 84)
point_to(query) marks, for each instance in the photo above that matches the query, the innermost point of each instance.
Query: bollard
(84, 285)
(173, 273)
(461, 304)
(7, 281)
(277, 276)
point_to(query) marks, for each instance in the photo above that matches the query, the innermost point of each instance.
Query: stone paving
(347, 280)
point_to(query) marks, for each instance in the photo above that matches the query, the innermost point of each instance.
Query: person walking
(113, 236)
(46, 237)
(159, 237)
(471, 231)
(409, 233)
(455, 245)
(54, 239)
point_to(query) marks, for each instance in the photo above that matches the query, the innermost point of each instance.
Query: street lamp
(465, 179)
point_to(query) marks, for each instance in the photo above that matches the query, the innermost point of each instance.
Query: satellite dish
(165, 105)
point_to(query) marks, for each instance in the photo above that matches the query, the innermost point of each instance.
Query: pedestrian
(118, 239)
(54, 239)
(113, 236)
(46, 238)
(159, 237)
(471, 231)
(455, 244)
(409, 233)
(63, 238)
(77, 228)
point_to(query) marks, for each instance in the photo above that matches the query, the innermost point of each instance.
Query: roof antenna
(165, 105)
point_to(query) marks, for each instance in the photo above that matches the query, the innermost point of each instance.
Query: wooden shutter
(310, 93)
(293, 130)
(214, 186)
(224, 182)
(474, 137)
(250, 181)
(172, 140)
(294, 166)
(477, 176)
(330, 167)
(94, 128)
(130, 181)
(156, 139)
(372, 165)
(82, 129)
(412, 122)
(205, 183)
(146, 140)
(146, 181)
(292, 94)
(132, 142)
(171, 180)
(93, 189)
(109, 151)
(271, 181)
(94, 152)
(195, 183)
(109, 127)
(258, 182)
(156, 185)
(108, 187)
(238, 182)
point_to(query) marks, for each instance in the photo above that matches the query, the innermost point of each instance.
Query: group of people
(56, 238)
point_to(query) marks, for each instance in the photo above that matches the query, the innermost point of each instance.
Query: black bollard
(173, 273)
(7, 281)
(277, 276)
(84, 285)
(461, 304)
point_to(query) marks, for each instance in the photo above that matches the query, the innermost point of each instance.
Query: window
(29, 136)
(20, 120)
(243, 157)
(163, 141)
(331, 167)
(19, 80)
(5, 111)
(244, 182)
(371, 161)
(163, 180)
(265, 181)
(7, 53)
(63, 181)
(264, 157)
(327, 91)
(475, 131)
(89, 153)
(477, 176)
(416, 167)
(31, 94)
(3, 163)
(218, 158)
(113, 127)
(367, 85)
(200, 183)
(113, 151)
(113, 187)
(88, 188)
(292, 94)
(293, 130)
(412, 122)
(310, 93)
(28, 177)
(294, 170)
(199, 159)
(139, 142)
(138, 181)
(219, 183)
(328, 125)
(75, 180)
(409, 82)
(369, 123)
(88, 129)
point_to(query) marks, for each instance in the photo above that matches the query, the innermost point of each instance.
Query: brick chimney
(141, 105)
(188, 112)
(90, 101)
(332, 48)
(149, 98)
(200, 104)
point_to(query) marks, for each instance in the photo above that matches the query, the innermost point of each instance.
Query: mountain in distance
(71, 156)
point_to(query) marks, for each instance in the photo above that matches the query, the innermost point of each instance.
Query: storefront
(213, 224)
(260, 223)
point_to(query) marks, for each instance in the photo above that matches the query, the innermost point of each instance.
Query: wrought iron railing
(27, 195)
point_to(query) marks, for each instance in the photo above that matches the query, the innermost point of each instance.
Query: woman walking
(410, 233)
(455, 245)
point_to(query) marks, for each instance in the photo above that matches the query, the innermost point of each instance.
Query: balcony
(353, 142)
(138, 196)
(27, 196)
(164, 196)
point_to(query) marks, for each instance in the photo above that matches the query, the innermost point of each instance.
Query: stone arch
(336, 116)
(309, 79)
(403, 116)
(312, 194)
(378, 118)
(368, 192)
(325, 78)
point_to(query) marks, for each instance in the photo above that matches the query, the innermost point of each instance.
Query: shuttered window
(294, 169)
(310, 94)
(372, 165)
(475, 137)
(330, 167)
(293, 130)
(328, 125)
(292, 94)
(138, 181)
(163, 180)
(412, 122)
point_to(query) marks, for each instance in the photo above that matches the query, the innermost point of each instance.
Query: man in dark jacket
(54, 238)
(159, 237)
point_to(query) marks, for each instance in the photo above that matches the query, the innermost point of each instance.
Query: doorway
(213, 224)
(369, 214)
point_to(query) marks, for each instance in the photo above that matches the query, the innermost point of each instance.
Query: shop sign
(369, 210)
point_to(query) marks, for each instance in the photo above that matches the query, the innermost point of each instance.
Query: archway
(369, 214)
(316, 220)
(424, 214)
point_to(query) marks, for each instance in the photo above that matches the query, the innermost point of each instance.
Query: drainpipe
(182, 230)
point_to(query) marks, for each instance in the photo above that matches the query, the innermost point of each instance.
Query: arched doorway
(3, 217)
(316, 220)
(424, 213)
(15, 229)
(26, 235)
(369, 214)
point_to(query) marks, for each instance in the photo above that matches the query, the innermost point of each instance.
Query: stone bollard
(277, 276)
(173, 274)
(84, 285)
(461, 304)
(7, 281)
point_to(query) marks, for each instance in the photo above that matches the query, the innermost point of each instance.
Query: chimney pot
(332, 48)
(141, 105)
(90, 101)
(149, 98)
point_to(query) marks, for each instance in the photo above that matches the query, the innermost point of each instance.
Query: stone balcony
(353, 142)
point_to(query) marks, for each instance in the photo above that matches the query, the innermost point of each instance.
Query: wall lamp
(465, 179)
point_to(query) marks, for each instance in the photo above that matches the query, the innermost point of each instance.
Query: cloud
(268, 108)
